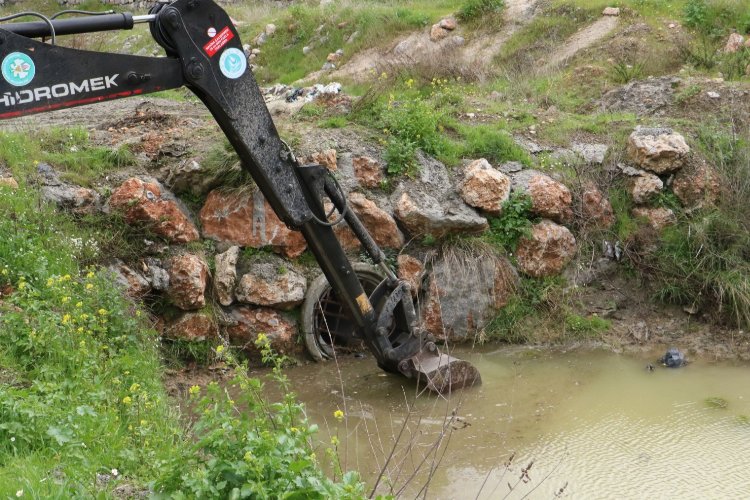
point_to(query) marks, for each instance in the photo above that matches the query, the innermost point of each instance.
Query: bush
(473, 9)
(513, 223)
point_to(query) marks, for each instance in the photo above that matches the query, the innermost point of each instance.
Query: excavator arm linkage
(204, 53)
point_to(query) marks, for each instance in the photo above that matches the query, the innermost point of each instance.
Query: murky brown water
(594, 421)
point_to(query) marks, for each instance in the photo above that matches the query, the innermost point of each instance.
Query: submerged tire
(324, 322)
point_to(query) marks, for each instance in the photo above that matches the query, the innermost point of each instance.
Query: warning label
(216, 43)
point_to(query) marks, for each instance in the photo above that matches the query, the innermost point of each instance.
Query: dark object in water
(650, 367)
(673, 358)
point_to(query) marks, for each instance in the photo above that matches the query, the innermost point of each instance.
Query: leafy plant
(513, 223)
(473, 9)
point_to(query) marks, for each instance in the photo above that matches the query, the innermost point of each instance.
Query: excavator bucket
(442, 373)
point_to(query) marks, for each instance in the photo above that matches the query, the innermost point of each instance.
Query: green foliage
(400, 156)
(333, 122)
(625, 225)
(491, 142)
(247, 447)
(624, 72)
(513, 223)
(473, 9)
(86, 382)
(223, 165)
(582, 326)
(715, 18)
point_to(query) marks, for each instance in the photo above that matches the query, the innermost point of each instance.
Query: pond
(595, 425)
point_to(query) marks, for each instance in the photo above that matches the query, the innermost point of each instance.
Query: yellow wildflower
(90, 274)
(135, 387)
(65, 300)
(21, 285)
(248, 456)
(338, 415)
(102, 312)
(65, 319)
(219, 349)
(79, 304)
(335, 441)
(194, 390)
(126, 400)
(89, 286)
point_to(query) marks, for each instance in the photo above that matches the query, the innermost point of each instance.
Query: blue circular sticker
(232, 63)
(18, 69)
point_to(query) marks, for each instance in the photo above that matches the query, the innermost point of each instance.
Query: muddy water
(596, 423)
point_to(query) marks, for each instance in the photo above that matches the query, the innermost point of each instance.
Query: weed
(491, 142)
(586, 327)
(333, 122)
(624, 72)
(514, 222)
(473, 9)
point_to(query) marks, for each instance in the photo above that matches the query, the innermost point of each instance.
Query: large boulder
(430, 205)
(466, 290)
(379, 223)
(734, 43)
(146, 203)
(270, 282)
(645, 187)
(546, 251)
(596, 208)
(155, 274)
(188, 276)
(133, 282)
(412, 271)
(8, 182)
(327, 158)
(193, 326)
(76, 199)
(225, 276)
(246, 219)
(697, 186)
(658, 150)
(244, 324)
(549, 199)
(484, 187)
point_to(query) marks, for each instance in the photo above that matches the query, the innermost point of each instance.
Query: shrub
(513, 223)
(473, 9)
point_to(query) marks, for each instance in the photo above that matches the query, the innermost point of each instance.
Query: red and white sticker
(218, 42)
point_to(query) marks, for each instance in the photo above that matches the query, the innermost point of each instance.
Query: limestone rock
(246, 219)
(132, 281)
(611, 11)
(155, 274)
(549, 198)
(270, 29)
(448, 23)
(327, 158)
(734, 43)
(225, 276)
(193, 327)
(593, 154)
(379, 223)
(422, 214)
(190, 176)
(484, 187)
(77, 199)
(188, 275)
(466, 290)
(697, 186)
(412, 271)
(246, 323)
(272, 284)
(547, 251)
(8, 182)
(657, 218)
(644, 187)
(437, 32)
(145, 203)
(596, 208)
(659, 150)
(368, 171)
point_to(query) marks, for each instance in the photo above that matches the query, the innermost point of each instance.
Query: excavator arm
(204, 54)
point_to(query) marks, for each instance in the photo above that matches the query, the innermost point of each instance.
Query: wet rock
(697, 186)
(673, 358)
(734, 43)
(225, 276)
(188, 275)
(146, 203)
(658, 150)
(412, 271)
(245, 323)
(484, 187)
(379, 223)
(611, 11)
(596, 208)
(438, 33)
(466, 290)
(8, 182)
(270, 282)
(546, 251)
(193, 327)
(368, 171)
(327, 158)
(133, 282)
(593, 154)
(155, 274)
(657, 218)
(246, 219)
(76, 199)
(549, 198)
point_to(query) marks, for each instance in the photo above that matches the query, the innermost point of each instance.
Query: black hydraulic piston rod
(76, 25)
